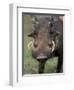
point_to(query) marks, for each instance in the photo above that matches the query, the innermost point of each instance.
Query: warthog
(47, 32)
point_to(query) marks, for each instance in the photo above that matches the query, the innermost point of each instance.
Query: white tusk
(30, 45)
(53, 48)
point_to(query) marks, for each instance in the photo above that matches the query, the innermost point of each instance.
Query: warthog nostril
(41, 57)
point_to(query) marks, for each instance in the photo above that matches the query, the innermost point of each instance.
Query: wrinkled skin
(47, 32)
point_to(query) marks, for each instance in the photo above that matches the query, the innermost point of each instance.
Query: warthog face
(45, 33)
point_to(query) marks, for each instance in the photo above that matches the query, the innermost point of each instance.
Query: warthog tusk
(53, 48)
(30, 45)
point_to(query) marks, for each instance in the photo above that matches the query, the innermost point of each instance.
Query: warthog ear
(31, 35)
(57, 33)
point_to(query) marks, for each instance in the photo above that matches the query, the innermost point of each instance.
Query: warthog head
(45, 31)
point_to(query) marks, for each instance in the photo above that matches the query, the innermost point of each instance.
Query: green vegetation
(31, 64)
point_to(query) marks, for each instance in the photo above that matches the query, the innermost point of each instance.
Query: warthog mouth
(42, 57)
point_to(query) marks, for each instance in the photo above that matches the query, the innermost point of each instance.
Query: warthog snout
(41, 51)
